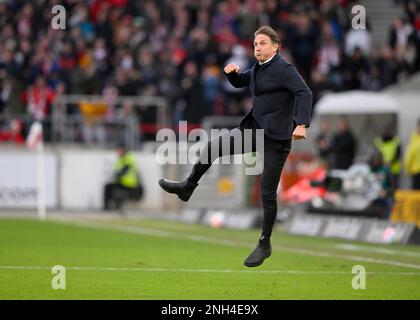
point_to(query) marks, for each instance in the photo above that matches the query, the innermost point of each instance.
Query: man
(412, 158)
(383, 204)
(39, 98)
(126, 185)
(324, 143)
(281, 106)
(13, 134)
(390, 147)
(344, 145)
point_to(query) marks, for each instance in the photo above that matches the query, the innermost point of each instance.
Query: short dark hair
(268, 31)
(122, 145)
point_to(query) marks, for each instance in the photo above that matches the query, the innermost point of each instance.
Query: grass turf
(153, 259)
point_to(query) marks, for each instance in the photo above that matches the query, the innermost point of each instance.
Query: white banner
(18, 179)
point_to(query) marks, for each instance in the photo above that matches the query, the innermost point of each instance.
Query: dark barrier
(354, 228)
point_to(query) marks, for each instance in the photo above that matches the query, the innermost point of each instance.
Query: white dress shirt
(266, 61)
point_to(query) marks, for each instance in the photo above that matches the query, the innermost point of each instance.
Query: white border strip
(387, 251)
(171, 234)
(125, 269)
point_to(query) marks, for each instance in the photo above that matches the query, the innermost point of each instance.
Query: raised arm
(237, 78)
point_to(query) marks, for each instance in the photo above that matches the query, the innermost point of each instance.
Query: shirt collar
(261, 63)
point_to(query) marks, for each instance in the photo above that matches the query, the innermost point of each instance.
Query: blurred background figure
(344, 145)
(192, 95)
(93, 113)
(13, 133)
(234, 95)
(412, 158)
(324, 142)
(389, 146)
(38, 98)
(126, 184)
(383, 204)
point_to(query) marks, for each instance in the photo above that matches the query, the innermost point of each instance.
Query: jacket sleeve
(122, 171)
(293, 82)
(239, 80)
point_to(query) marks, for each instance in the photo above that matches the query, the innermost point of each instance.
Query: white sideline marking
(122, 269)
(353, 247)
(171, 234)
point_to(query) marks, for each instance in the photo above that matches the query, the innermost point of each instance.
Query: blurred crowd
(387, 159)
(177, 49)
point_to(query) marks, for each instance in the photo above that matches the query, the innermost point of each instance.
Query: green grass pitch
(152, 259)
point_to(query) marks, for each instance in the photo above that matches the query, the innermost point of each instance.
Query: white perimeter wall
(18, 179)
(75, 178)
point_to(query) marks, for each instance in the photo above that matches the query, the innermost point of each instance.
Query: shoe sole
(185, 199)
(251, 265)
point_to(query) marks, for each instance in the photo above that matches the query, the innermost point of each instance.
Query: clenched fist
(299, 133)
(231, 67)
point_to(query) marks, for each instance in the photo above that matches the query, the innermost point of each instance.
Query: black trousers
(275, 153)
(115, 195)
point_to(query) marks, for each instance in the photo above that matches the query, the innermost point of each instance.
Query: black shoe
(183, 189)
(260, 253)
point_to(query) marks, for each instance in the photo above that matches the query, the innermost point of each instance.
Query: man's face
(325, 125)
(264, 48)
(40, 82)
(121, 152)
(342, 125)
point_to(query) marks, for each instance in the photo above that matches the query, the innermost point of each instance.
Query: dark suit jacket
(281, 100)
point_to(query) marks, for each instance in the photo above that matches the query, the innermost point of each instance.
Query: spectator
(302, 42)
(416, 42)
(344, 145)
(193, 95)
(358, 38)
(412, 8)
(324, 143)
(400, 33)
(5, 91)
(329, 55)
(356, 70)
(387, 66)
(403, 66)
(240, 58)
(211, 84)
(14, 133)
(390, 148)
(383, 204)
(38, 99)
(327, 70)
(126, 184)
(93, 114)
(137, 44)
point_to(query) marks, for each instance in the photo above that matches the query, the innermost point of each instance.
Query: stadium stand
(176, 49)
